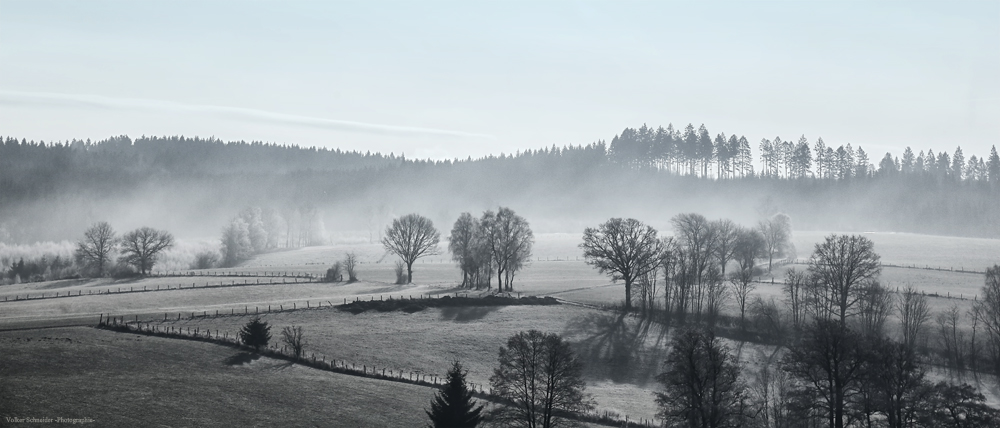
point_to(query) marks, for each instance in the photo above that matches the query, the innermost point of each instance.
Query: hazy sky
(454, 79)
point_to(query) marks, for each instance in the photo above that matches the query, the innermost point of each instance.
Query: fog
(193, 188)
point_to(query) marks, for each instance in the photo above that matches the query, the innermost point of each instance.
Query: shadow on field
(241, 359)
(387, 289)
(619, 348)
(466, 313)
(62, 283)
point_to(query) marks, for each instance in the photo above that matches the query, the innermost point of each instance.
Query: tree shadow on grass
(618, 347)
(241, 358)
(466, 313)
(63, 283)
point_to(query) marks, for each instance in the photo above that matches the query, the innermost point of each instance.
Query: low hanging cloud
(44, 99)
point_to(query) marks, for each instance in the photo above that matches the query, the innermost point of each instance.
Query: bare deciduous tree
(350, 266)
(951, 337)
(96, 247)
(841, 266)
(411, 237)
(770, 391)
(874, 308)
(748, 246)
(913, 313)
(742, 284)
(142, 246)
(795, 296)
(626, 249)
(295, 339)
(509, 238)
(462, 243)
(830, 359)
(725, 247)
(698, 238)
(777, 231)
(540, 375)
(701, 383)
(987, 309)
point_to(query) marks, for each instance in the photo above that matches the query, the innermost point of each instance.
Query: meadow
(622, 355)
(127, 380)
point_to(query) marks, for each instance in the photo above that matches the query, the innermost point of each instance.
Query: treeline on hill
(695, 152)
(193, 184)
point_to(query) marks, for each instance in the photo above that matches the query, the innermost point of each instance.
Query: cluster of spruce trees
(695, 152)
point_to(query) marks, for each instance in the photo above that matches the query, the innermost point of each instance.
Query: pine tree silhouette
(453, 406)
(256, 333)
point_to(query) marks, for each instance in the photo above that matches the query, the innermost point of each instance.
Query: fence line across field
(961, 269)
(147, 288)
(270, 309)
(416, 377)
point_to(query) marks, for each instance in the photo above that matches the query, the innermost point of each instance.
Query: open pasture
(224, 300)
(127, 380)
(918, 250)
(621, 354)
(566, 279)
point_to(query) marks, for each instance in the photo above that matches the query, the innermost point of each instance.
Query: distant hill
(193, 186)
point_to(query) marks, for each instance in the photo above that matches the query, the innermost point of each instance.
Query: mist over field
(500, 214)
(193, 187)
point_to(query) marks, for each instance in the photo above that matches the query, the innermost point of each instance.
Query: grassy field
(473, 335)
(621, 354)
(920, 250)
(126, 380)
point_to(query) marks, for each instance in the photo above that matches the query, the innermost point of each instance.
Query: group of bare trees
(256, 230)
(689, 269)
(837, 365)
(498, 242)
(137, 249)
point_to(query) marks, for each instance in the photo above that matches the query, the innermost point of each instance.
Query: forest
(193, 185)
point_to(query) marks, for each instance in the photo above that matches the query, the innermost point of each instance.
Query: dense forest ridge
(691, 152)
(193, 186)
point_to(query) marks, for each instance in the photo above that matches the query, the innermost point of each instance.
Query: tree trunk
(628, 294)
(409, 272)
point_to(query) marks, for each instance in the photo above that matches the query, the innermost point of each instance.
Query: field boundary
(149, 289)
(961, 269)
(480, 391)
(217, 273)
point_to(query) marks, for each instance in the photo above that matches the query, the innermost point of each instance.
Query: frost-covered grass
(128, 380)
(622, 355)
(920, 250)
(427, 341)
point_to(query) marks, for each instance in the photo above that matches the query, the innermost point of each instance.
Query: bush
(122, 271)
(334, 274)
(255, 333)
(350, 263)
(205, 260)
(45, 268)
(400, 273)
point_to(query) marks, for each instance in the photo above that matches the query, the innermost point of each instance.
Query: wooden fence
(322, 362)
(149, 288)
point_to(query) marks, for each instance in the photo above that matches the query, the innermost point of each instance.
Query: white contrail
(12, 98)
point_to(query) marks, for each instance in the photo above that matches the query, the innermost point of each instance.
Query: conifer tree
(993, 166)
(453, 406)
(255, 333)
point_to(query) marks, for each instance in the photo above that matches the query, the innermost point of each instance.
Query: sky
(446, 80)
